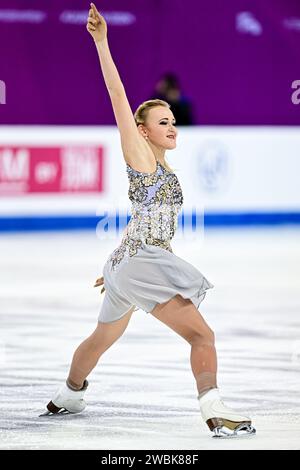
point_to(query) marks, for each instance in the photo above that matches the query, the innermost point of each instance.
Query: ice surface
(142, 394)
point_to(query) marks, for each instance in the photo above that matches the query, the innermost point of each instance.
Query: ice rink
(142, 394)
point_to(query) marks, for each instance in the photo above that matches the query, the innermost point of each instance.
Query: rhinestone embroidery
(156, 200)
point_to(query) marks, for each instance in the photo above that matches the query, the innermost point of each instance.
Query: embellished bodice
(156, 200)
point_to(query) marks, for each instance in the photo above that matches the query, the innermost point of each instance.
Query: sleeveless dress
(143, 270)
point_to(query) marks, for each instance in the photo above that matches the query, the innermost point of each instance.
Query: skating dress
(143, 270)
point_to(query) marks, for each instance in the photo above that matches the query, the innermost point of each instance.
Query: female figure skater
(143, 271)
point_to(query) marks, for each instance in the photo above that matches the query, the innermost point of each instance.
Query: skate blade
(243, 430)
(63, 411)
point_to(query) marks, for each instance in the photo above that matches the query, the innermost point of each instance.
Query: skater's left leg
(182, 316)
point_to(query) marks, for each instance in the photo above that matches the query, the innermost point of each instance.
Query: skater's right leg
(89, 351)
(70, 396)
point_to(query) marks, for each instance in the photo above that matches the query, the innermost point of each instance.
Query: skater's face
(160, 127)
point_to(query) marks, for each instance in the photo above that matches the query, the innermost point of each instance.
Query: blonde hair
(141, 114)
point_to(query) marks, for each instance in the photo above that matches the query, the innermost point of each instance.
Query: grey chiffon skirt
(152, 276)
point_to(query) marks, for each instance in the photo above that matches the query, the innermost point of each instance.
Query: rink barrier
(33, 223)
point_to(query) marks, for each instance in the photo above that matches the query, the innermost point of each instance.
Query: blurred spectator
(168, 89)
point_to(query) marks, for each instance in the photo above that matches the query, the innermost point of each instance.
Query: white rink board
(221, 169)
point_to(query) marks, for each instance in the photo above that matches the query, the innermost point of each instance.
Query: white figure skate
(67, 400)
(221, 420)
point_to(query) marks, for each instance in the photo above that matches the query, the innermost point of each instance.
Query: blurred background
(231, 73)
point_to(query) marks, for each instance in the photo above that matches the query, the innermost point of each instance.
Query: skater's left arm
(99, 282)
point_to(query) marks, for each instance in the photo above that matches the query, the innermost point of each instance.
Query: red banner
(51, 169)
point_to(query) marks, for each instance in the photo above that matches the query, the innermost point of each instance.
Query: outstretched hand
(99, 282)
(96, 24)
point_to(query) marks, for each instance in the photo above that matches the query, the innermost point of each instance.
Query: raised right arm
(136, 151)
